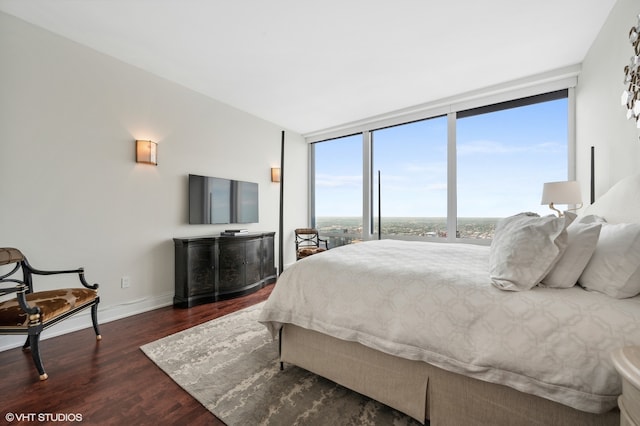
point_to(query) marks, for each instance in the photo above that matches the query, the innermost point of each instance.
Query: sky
(503, 159)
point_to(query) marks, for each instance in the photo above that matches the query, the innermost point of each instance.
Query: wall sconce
(561, 193)
(147, 152)
(275, 174)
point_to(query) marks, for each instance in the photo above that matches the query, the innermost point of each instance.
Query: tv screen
(215, 200)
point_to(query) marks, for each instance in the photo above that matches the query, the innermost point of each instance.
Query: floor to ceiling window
(337, 189)
(410, 161)
(446, 178)
(505, 153)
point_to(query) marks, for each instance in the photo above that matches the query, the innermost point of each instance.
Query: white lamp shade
(567, 192)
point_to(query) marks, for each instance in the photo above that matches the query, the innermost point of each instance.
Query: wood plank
(112, 381)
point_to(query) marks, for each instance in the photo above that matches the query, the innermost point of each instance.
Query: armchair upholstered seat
(308, 242)
(52, 304)
(31, 312)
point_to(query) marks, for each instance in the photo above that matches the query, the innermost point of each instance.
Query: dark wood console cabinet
(221, 267)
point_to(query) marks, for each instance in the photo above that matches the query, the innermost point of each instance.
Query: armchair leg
(94, 319)
(34, 340)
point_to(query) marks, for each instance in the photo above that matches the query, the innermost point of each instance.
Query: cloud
(436, 187)
(431, 168)
(334, 181)
(494, 147)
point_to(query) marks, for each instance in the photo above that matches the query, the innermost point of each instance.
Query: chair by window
(308, 242)
(30, 312)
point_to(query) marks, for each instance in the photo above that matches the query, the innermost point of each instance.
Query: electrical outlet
(125, 282)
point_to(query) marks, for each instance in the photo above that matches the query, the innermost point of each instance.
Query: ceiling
(312, 65)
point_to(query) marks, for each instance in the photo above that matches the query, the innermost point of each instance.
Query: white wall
(72, 194)
(600, 118)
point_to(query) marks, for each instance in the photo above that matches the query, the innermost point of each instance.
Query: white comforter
(434, 302)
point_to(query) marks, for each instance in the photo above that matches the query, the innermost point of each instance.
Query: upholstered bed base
(423, 391)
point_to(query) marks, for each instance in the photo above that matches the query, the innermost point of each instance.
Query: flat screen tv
(215, 200)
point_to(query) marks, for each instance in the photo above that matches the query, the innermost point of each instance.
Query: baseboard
(83, 319)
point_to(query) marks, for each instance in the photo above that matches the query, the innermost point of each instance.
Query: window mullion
(571, 133)
(367, 186)
(452, 193)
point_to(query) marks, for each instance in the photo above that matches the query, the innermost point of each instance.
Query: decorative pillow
(524, 249)
(614, 268)
(582, 239)
(592, 218)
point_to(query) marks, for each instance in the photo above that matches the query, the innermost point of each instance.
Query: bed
(439, 332)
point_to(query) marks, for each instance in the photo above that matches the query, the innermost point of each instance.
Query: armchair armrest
(8, 290)
(20, 289)
(10, 255)
(324, 241)
(29, 270)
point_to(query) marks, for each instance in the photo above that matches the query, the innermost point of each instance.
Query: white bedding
(434, 302)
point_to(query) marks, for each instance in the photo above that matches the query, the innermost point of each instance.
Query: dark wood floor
(111, 381)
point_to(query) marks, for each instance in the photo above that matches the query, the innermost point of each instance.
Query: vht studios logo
(43, 417)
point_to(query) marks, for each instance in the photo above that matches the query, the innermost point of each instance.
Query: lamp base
(561, 214)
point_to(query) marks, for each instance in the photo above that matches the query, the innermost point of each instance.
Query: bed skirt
(423, 391)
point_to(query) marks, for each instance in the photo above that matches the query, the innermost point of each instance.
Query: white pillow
(614, 268)
(524, 249)
(592, 218)
(582, 239)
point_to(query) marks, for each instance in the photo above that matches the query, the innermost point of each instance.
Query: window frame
(471, 104)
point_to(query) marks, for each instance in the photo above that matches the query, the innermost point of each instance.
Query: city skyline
(344, 230)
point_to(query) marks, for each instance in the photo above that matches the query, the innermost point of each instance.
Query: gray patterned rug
(230, 365)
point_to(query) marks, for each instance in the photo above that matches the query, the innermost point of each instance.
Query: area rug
(230, 365)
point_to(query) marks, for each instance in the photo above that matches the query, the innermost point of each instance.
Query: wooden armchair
(31, 312)
(308, 242)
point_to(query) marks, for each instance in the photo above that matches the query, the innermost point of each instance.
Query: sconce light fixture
(147, 152)
(561, 193)
(275, 174)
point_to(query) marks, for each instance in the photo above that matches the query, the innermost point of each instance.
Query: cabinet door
(200, 269)
(253, 261)
(268, 257)
(231, 259)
